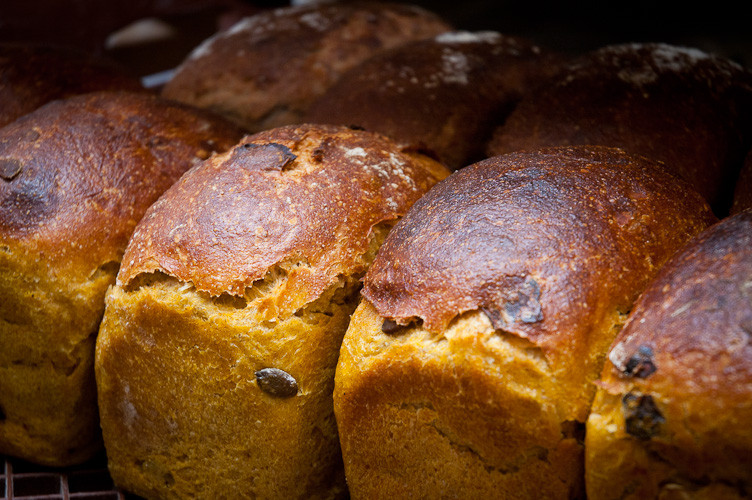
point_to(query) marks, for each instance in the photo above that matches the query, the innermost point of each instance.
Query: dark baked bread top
(310, 194)
(678, 105)
(444, 94)
(77, 174)
(267, 69)
(547, 242)
(693, 324)
(32, 75)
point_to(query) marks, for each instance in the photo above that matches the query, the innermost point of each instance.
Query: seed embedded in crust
(640, 364)
(642, 419)
(276, 382)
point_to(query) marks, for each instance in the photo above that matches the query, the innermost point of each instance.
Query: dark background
(572, 27)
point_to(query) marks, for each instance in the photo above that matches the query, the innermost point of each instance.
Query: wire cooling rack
(20, 480)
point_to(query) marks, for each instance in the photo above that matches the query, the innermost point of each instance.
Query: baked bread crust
(681, 106)
(32, 75)
(510, 279)
(443, 95)
(673, 408)
(75, 177)
(266, 70)
(267, 186)
(215, 361)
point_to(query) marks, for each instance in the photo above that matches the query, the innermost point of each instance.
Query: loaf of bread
(689, 109)
(75, 177)
(216, 357)
(266, 70)
(32, 75)
(444, 95)
(743, 187)
(672, 415)
(467, 370)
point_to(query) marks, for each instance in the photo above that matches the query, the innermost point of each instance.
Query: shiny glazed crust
(675, 400)
(75, 177)
(251, 261)
(266, 70)
(32, 75)
(444, 94)
(677, 105)
(511, 278)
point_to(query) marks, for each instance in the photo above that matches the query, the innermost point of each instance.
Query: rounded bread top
(77, 174)
(308, 194)
(444, 94)
(679, 105)
(32, 75)
(689, 333)
(545, 242)
(266, 69)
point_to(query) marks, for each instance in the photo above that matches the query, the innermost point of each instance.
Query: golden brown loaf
(681, 106)
(467, 370)
(443, 95)
(32, 75)
(672, 415)
(267, 69)
(215, 360)
(76, 175)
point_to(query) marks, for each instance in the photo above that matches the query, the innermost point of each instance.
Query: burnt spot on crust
(640, 364)
(276, 382)
(520, 303)
(271, 156)
(642, 419)
(10, 168)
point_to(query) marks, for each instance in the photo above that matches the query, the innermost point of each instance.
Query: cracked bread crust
(250, 262)
(551, 247)
(83, 172)
(307, 193)
(266, 70)
(685, 349)
(423, 415)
